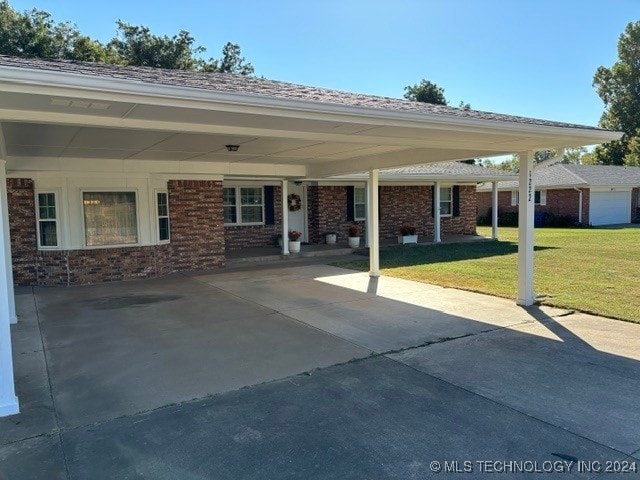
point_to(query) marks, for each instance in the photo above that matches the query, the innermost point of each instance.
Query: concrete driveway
(310, 371)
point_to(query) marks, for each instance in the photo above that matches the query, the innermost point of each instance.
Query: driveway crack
(58, 430)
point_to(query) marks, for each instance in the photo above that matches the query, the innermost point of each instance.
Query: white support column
(494, 210)
(436, 213)
(285, 217)
(374, 235)
(367, 218)
(526, 208)
(8, 399)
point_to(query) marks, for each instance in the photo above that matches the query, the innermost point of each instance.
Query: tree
(426, 92)
(231, 62)
(34, 33)
(619, 89)
(512, 164)
(139, 47)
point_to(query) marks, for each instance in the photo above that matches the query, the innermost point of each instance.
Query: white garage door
(608, 208)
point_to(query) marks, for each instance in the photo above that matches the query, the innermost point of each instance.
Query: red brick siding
(561, 201)
(237, 237)
(399, 205)
(22, 227)
(197, 241)
(197, 224)
(84, 267)
(329, 214)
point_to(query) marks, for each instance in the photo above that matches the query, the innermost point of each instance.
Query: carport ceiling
(60, 116)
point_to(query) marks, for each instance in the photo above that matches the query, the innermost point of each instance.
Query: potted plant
(294, 241)
(354, 239)
(407, 234)
(331, 238)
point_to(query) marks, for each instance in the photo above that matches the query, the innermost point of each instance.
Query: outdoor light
(232, 148)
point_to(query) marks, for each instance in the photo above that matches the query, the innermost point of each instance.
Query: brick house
(110, 172)
(588, 194)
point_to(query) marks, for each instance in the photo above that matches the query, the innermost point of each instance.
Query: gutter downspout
(579, 190)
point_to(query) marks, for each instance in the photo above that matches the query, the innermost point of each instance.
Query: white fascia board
(184, 168)
(136, 91)
(538, 187)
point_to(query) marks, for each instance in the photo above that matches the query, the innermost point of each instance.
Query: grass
(590, 270)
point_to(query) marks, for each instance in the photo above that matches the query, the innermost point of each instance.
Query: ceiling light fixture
(232, 148)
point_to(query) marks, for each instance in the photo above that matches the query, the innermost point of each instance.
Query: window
(229, 205)
(359, 203)
(243, 205)
(162, 202)
(540, 197)
(110, 218)
(446, 201)
(47, 220)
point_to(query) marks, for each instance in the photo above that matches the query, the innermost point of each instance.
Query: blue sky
(534, 58)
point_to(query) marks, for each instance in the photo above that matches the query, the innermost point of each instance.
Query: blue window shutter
(269, 206)
(456, 200)
(350, 206)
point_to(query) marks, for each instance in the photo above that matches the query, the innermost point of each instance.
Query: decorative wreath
(294, 201)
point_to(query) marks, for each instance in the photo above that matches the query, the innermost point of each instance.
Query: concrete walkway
(115, 381)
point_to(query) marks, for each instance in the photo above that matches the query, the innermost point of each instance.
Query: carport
(68, 119)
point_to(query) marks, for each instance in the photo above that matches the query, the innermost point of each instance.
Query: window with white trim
(243, 205)
(47, 216)
(162, 209)
(110, 218)
(540, 197)
(359, 203)
(446, 201)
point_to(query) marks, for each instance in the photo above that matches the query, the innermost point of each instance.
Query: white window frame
(355, 216)
(238, 205)
(110, 190)
(450, 201)
(515, 197)
(56, 197)
(158, 217)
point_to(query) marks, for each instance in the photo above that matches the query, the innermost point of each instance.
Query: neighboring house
(589, 194)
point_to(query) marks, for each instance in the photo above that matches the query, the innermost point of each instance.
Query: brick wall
(22, 227)
(399, 205)
(239, 236)
(84, 267)
(197, 241)
(197, 224)
(561, 201)
(635, 205)
(329, 213)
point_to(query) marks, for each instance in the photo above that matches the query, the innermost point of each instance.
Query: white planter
(331, 238)
(280, 242)
(354, 242)
(402, 239)
(294, 247)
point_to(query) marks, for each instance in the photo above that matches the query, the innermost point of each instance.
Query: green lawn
(591, 270)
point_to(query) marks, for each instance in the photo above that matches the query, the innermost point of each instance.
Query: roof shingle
(231, 83)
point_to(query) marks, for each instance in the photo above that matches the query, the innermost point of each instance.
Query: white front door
(298, 216)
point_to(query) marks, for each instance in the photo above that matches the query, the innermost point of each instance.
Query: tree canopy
(426, 92)
(619, 88)
(576, 155)
(34, 33)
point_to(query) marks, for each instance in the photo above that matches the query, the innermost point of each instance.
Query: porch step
(236, 261)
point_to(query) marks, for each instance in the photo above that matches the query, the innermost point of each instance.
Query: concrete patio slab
(369, 419)
(123, 348)
(581, 373)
